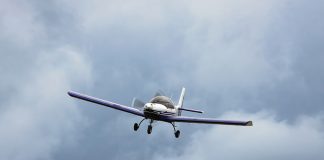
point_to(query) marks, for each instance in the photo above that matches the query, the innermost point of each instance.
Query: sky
(239, 60)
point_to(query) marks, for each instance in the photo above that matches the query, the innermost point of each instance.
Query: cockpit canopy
(166, 101)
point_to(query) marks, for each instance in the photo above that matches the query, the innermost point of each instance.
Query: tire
(177, 134)
(149, 129)
(136, 126)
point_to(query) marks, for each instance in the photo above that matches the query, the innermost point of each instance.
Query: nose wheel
(149, 129)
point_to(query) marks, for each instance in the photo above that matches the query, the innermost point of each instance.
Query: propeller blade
(159, 93)
(137, 103)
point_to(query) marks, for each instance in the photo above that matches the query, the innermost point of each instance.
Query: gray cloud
(39, 118)
(267, 139)
(240, 56)
(36, 116)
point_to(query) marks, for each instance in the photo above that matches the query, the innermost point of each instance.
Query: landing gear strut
(150, 127)
(136, 126)
(176, 132)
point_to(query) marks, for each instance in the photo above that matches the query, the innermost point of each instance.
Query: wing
(106, 103)
(205, 120)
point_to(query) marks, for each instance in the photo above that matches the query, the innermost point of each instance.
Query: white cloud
(133, 15)
(223, 42)
(228, 41)
(219, 47)
(267, 139)
(18, 23)
(41, 117)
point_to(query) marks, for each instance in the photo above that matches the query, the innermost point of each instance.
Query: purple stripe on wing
(106, 103)
(204, 120)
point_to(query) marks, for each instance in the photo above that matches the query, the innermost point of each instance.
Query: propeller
(137, 103)
(159, 93)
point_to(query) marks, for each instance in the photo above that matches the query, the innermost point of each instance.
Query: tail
(180, 103)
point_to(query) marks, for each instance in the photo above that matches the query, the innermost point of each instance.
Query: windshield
(163, 100)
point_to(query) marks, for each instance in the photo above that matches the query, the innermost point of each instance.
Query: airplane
(159, 108)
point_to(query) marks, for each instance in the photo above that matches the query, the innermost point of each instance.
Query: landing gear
(136, 126)
(177, 134)
(149, 129)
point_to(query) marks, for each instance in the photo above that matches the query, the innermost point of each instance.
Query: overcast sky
(241, 60)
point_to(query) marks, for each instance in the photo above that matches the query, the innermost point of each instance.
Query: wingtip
(249, 123)
(70, 93)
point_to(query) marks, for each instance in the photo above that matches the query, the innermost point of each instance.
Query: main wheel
(136, 126)
(149, 129)
(177, 134)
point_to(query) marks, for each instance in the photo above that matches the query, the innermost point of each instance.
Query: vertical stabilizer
(180, 103)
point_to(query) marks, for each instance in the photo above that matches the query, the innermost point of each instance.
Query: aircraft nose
(148, 106)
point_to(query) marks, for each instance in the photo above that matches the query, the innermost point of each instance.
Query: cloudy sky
(243, 60)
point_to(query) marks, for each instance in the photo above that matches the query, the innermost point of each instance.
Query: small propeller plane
(160, 108)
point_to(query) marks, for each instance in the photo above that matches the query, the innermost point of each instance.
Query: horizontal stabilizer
(249, 123)
(191, 110)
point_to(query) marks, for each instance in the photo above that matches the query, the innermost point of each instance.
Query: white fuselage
(155, 108)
